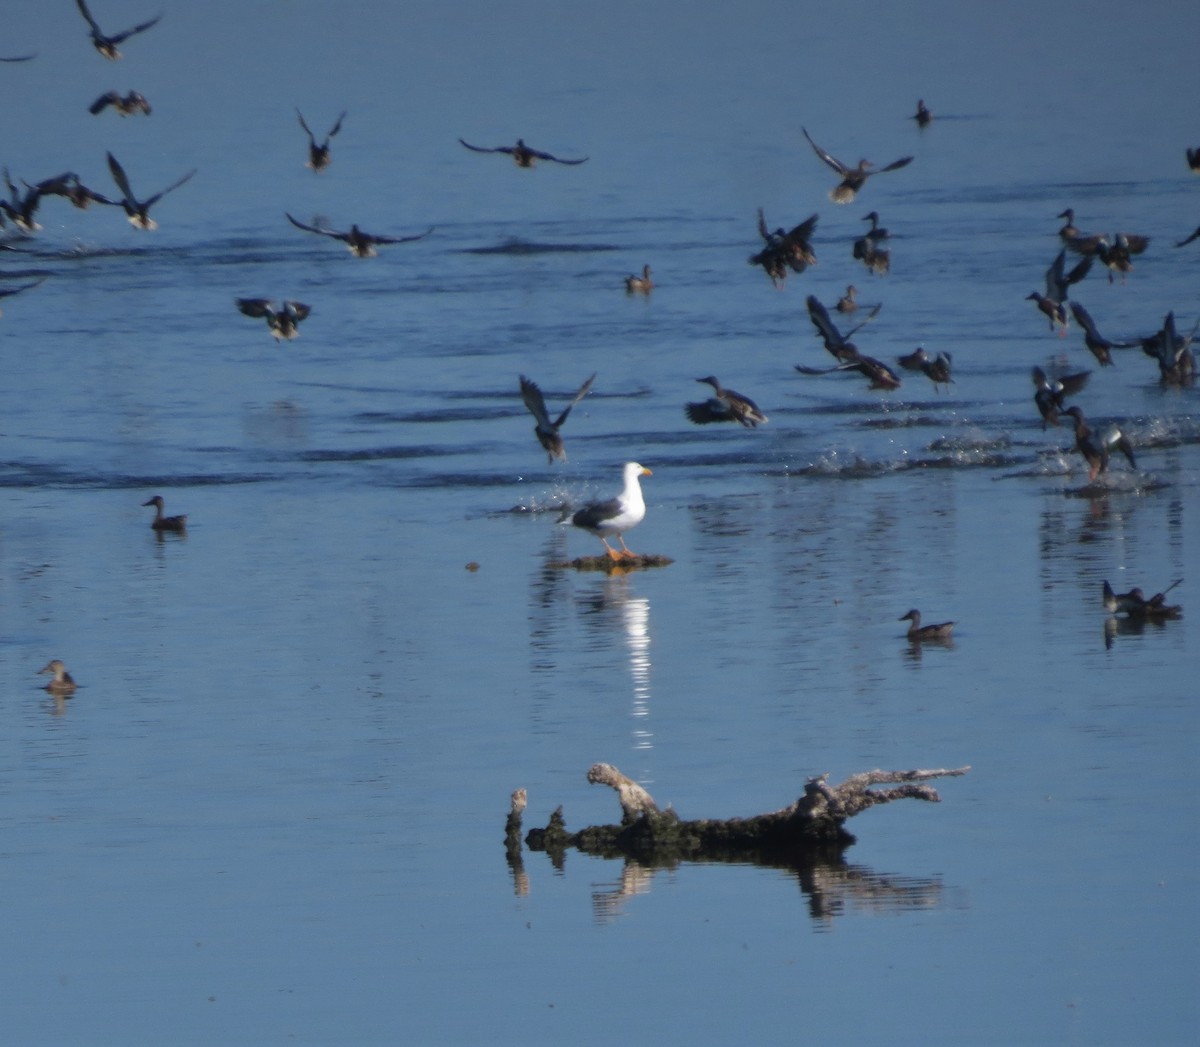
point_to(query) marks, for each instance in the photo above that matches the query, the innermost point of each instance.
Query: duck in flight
(1058, 284)
(725, 406)
(1097, 344)
(1096, 452)
(785, 249)
(612, 518)
(20, 207)
(107, 45)
(361, 244)
(523, 155)
(284, 323)
(1050, 394)
(319, 156)
(69, 186)
(853, 178)
(138, 211)
(125, 105)
(547, 429)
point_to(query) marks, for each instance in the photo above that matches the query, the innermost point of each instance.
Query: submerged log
(812, 825)
(635, 562)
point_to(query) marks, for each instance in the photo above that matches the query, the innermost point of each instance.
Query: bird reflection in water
(613, 599)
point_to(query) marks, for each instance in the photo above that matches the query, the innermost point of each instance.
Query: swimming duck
(876, 259)
(138, 211)
(853, 178)
(546, 430)
(917, 631)
(847, 304)
(361, 244)
(914, 361)
(125, 105)
(1135, 604)
(165, 523)
(107, 45)
(922, 116)
(785, 249)
(639, 284)
(725, 406)
(284, 323)
(69, 186)
(1116, 255)
(1069, 230)
(876, 232)
(1058, 283)
(1096, 451)
(8, 292)
(523, 155)
(1193, 155)
(1187, 240)
(319, 156)
(1050, 395)
(62, 685)
(617, 515)
(1097, 344)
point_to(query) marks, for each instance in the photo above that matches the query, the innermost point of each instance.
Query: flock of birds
(783, 251)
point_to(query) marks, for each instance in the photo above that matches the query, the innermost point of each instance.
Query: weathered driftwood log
(815, 823)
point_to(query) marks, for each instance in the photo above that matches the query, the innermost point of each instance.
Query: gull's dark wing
(256, 307)
(83, 10)
(140, 28)
(314, 229)
(108, 98)
(300, 115)
(825, 328)
(536, 403)
(583, 391)
(557, 159)
(118, 173)
(298, 310)
(174, 185)
(866, 320)
(399, 239)
(804, 230)
(336, 127)
(895, 165)
(832, 161)
(482, 149)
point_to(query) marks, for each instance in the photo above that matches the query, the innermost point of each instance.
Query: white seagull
(617, 515)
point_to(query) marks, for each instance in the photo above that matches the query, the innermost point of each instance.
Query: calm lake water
(274, 809)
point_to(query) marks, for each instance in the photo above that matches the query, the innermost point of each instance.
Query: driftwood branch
(812, 825)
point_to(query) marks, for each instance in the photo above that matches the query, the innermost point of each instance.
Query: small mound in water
(609, 565)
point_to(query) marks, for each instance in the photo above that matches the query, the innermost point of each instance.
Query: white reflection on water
(636, 613)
